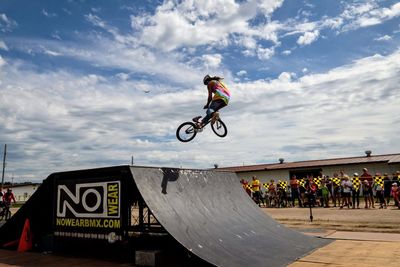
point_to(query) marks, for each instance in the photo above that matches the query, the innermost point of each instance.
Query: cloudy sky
(86, 84)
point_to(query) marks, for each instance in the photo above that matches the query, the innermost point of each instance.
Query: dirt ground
(360, 220)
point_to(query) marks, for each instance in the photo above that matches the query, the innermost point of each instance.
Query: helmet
(355, 174)
(206, 79)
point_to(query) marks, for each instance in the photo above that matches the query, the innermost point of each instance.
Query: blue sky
(309, 80)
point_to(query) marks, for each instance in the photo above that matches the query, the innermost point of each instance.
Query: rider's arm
(209, 97)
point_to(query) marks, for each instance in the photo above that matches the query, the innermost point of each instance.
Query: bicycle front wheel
(186, 132)
(219, 128)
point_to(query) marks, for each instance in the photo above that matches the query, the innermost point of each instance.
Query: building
(22, 192)
(284, 170)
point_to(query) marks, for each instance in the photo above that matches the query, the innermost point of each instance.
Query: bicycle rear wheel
(219, 128)
(186, 132)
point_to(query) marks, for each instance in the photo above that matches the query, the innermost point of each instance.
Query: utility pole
(4, 166)
(132, 161)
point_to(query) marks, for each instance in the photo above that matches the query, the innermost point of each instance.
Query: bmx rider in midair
(218, 97)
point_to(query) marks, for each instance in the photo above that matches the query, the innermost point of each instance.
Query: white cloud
(197, 23)
(2, 63)
(241, 73)
(47, 14)
(123, 76)
(67, 121)
(269, 6)
(119, 53)
(212, 61)
(3, 46)
(7, 24)
(285, 77)
(383, 38)
(308, 38)
(355, 15)
(265, 53)
(332, 23)
(52, 53)
(286, 52)
(369, 14)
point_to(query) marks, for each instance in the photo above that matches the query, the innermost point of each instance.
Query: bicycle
(5, 212)
(188, 130)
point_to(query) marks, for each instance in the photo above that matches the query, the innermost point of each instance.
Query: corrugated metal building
(284, 170)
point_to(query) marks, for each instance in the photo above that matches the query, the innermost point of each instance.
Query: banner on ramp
(87, 209)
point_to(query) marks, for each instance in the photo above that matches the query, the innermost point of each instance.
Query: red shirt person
(366, 176)
(8, 196)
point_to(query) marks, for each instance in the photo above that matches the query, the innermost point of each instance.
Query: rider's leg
(214, 107)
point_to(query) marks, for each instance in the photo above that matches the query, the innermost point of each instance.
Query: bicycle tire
(218, 126)
(187, 128)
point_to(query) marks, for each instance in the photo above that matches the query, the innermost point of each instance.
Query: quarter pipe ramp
(209, 213)
(206, 211)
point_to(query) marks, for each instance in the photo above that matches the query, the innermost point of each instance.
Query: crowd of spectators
(340, 191)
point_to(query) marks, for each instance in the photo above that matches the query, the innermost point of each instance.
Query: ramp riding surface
(209, 213)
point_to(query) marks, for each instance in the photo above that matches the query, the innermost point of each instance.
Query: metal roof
(390, 159)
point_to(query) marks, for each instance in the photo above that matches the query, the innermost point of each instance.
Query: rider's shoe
(196, 119)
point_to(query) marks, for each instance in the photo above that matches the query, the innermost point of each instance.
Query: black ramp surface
(209, 213)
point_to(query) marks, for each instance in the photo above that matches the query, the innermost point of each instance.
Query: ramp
(209, 213)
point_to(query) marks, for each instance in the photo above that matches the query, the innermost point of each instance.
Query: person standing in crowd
(387, 185)
(245, 185)
(295, 187)
(263, 199)
(366, 176)
(395, 193)
(366, 181)
(378, 187)
(272, 193)
(367, 193)
(325, 194)
(346, 191)
(311, 191)
(336, 190)
(355, 190)
(255, 187)
(396, 178)
(302, 191)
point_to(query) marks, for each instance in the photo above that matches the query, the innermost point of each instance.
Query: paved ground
(362, 238)
(353, 253)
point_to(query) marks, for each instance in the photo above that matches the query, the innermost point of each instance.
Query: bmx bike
(5, 212)
(188, 130)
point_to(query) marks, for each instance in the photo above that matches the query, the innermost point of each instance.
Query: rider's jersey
(220, 91)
